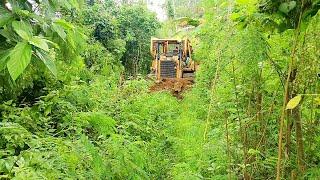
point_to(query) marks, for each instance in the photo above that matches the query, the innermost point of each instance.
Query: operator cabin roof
(167, 40)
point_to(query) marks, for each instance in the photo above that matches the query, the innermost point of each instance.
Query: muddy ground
(174, 85)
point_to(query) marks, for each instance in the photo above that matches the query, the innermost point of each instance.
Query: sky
(157, 6)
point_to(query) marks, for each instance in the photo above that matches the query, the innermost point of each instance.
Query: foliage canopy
(75, 102)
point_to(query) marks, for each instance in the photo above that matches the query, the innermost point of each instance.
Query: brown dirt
(175, 86)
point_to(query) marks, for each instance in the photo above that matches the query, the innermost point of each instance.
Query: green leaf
(5, 17)
(52, 43)
(20, 58)
(286, 7)
(47, 110)
(64, 24)
(75, 4)
(47, 60)
(23, 29)
(4, 56)
(39, 42)
(294, 102)
(7, 33)
(58, 29)
(253, 152)
(317, 101)
(66, 4)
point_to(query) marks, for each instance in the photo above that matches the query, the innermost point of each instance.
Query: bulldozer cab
(172, 58)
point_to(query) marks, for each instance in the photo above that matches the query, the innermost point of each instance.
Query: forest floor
(175, 85)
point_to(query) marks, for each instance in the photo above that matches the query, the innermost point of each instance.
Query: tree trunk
(299, 138)
(228, 149)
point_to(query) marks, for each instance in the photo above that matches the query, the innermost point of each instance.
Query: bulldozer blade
(188, 75)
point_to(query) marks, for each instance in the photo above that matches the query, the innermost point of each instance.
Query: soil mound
(175, 85)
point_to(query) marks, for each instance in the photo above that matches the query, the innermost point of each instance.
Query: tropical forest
(160, 89)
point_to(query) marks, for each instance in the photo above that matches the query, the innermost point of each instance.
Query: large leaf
(286, 7)
(294, 102)
(60, 3)
(47, 60)
(23, 29)
(58, 29)
(20, 58)
(64, 24)
(39, 42)
(4, 56)
(52, 43)
(7, 33)
(5, 17)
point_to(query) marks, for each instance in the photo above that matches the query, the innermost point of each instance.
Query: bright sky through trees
(158, 6)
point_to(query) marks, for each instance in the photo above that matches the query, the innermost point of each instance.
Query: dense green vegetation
(75, 102)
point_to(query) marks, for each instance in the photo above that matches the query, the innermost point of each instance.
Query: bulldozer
(172, 58)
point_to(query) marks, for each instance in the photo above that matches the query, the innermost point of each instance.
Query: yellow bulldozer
(172, 58)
